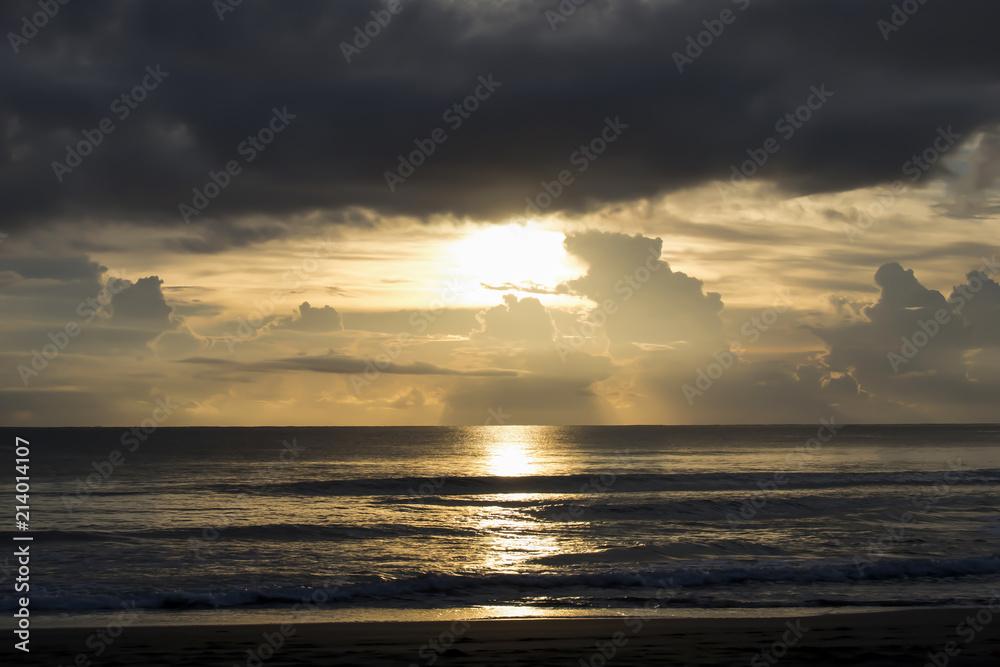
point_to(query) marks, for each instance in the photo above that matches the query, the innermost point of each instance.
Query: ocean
(232, 525)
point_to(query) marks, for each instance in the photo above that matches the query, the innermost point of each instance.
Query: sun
(518, 255)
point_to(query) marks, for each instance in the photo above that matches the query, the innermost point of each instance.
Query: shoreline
(237, 616)
(228, 616)
(878, 637)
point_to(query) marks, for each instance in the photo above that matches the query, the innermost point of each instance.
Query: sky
(499, 211)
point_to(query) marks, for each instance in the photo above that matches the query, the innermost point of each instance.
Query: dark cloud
(914, 347)
(341, 364)
(609, 60)
(142, 302)
(223, 235)
(53, 268)
(979, 301)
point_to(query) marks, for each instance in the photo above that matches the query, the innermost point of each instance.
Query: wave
(278, 532)
(595, 483)
(681, 583)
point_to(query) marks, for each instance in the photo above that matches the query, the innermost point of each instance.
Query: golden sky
(571, 248)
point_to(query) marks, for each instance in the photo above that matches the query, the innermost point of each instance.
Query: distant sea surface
(233, 523)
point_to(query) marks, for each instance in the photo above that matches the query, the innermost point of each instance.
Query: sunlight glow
(515, 254)
(509, 460)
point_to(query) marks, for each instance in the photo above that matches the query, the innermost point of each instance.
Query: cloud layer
(556, 90)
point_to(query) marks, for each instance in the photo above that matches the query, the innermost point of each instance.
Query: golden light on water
(509, 461)
(511, 537)
(510, 451)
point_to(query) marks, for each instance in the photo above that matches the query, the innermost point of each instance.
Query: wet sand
(898, 637)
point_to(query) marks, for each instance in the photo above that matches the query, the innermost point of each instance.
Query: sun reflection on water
(510, 450)
(511, 539)
(510, 534)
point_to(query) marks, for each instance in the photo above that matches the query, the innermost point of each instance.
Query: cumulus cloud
(973, 195)
(315, 319)
(142, 303)
(620, 340)
(978, 299)
(517, 320)
(917, 348)
(641, 298)
(411, 399)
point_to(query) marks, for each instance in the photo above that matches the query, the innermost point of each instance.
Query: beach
(534, 545)
(897, 637)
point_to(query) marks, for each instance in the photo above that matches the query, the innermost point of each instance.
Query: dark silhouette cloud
(342, 364)
(53, 268)
(225, 79)
(142, 302)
